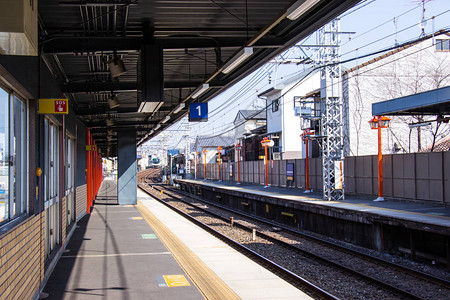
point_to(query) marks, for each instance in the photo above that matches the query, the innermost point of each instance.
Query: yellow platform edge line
(207, 282)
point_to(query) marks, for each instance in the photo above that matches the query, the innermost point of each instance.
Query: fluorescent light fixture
(109, 122)
(200, 90)
(179, 107)
(157, 126)
(148, 107)
(166, 118)
(300, 7)
(113, 101)
(237, 59)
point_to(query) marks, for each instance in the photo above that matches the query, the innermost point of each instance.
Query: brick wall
(81, 204)
(22, 260)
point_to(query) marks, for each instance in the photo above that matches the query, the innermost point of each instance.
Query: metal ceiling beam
(70, 45)
(107, 87)
(104, 111)
(103, 128)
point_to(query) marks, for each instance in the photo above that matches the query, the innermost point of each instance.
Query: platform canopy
(434, 102)
(82, 41)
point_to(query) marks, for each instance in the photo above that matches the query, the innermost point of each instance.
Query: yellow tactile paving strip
(211, 286)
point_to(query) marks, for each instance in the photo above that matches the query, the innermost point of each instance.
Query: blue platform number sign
(198, 112)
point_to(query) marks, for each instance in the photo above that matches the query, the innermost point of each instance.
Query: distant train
(153, 162)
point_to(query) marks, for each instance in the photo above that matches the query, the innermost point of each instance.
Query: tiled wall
(22, 259)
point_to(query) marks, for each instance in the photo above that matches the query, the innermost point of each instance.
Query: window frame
(442, 43)
(275, 105)
(14, 217)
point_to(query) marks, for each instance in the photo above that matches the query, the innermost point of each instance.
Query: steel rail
(369, 278)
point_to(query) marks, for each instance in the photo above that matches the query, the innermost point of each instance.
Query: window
(51, 185)
(70, 205)
(275, 105)
(443, 45)
(13, 156)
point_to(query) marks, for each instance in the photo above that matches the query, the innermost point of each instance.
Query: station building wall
(28, 250)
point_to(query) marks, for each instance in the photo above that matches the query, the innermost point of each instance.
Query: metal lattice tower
(331, 109)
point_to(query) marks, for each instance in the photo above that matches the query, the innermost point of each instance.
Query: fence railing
(417, 176)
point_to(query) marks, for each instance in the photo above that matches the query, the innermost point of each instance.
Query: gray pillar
(127, 168)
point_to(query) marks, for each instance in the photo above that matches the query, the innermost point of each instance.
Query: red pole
(220, 164)
(265, 162)
(239, 171)
(307, 166)
(380, 166)
(205, 164)
(88, 180)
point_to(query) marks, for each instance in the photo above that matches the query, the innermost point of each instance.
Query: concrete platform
(245, 277)
(409, 227)
(413, 211)
(115, 254)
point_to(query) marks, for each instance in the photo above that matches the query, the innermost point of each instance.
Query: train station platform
(147, 251)
(389, 225)
(413, 211)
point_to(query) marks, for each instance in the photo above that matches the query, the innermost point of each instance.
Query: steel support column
(127, 168)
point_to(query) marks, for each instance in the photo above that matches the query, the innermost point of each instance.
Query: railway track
(392, 278)
(289, 276)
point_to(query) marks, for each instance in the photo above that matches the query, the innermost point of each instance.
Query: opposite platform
(407, 211)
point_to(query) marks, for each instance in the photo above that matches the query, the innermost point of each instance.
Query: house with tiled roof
(210, 144)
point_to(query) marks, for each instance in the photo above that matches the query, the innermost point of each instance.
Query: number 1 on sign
(199, 108)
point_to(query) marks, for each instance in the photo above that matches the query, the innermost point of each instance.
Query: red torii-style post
(219, 149)
(266, 142)
(378, 122)
(306, 137)
(238, 148)
(204, 152)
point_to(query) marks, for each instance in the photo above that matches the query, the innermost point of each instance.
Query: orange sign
(54, 106)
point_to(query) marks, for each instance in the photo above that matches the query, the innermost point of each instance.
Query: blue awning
(434, 102)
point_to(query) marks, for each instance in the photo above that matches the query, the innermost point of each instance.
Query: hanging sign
(91, 147)
(54, 106)
(198, 112)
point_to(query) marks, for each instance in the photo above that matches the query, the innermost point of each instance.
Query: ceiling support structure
(331, 109)
(150, 77)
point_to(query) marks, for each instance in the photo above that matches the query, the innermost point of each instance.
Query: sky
(375, 25)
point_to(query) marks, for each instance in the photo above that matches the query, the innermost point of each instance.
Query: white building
(284, 122)
(246, 121)
(414, 68)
